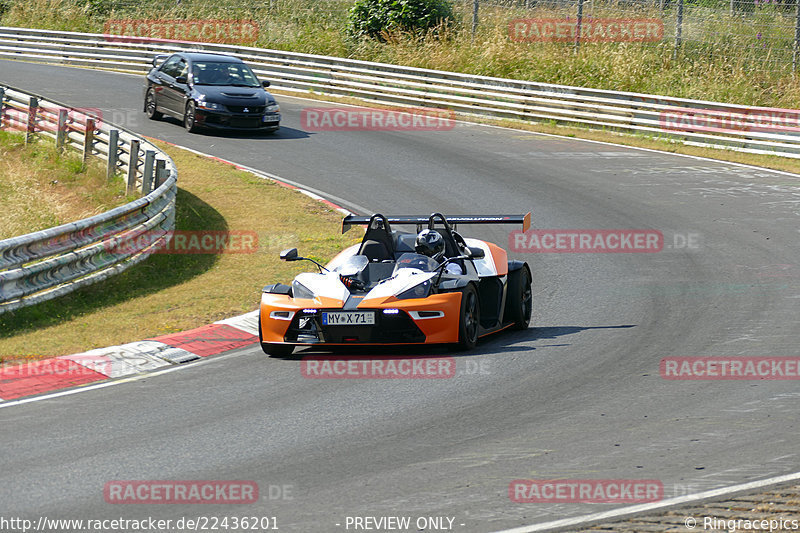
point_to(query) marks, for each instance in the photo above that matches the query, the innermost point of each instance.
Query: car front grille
(252, 110)
(395, 328)
(245, 122)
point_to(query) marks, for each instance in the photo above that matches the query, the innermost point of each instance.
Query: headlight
(301, 291)
(273, 108)
(211, 106)
(417, 291)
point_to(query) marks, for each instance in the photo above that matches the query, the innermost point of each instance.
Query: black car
(209, 90)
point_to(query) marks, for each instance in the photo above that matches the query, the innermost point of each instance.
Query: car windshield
(352, 266)
(221, 73)
(418, 261)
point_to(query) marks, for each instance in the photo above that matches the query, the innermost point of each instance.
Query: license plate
(237, 122)
(348, 318)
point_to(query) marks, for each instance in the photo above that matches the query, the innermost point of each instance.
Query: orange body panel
(500, 258)
(437, 330)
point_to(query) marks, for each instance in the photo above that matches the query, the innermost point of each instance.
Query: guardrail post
(796, 38)
(2, 105)
(678, 29)
(161, 173)
(61, 129)
(88, 139)
(113, 153)
(147, 173)
(133, 162)
(33, 109)
(474, 18)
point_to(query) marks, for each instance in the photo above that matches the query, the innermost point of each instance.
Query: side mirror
(476, 253)
(289, 254)
(181, 79)
(265, 84)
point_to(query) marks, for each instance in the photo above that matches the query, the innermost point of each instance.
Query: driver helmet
(430, 242)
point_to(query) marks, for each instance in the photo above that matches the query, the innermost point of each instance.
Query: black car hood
(228, 95)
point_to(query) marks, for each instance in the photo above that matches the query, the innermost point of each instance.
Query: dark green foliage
(378, 18)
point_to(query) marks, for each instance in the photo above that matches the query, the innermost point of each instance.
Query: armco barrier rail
(696, 122)
(46, 264)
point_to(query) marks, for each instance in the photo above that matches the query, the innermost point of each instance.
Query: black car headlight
(273, 107)
(421, 290)
(301, 291)
(211, 106)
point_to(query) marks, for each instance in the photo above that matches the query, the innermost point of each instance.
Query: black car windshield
(418, 261)
(222, 73)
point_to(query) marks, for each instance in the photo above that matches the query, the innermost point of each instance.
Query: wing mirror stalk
(290, 254)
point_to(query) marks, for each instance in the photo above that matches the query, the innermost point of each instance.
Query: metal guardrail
(52, 262)
(694, 122)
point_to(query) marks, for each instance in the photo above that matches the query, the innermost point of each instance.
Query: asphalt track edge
(557, 525)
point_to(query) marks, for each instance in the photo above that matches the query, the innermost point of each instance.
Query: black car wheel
(190, 117)
(524, 304)
(469, 320)
(277, 350)
(150, 106)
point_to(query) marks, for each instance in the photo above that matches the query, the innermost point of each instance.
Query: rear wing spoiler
(525, 220)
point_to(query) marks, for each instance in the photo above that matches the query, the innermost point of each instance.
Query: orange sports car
(396, 287)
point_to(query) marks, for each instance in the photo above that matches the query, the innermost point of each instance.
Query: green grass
(175, 292)
(41, 187)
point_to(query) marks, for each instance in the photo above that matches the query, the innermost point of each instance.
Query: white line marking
(104, 384)
(616, 513)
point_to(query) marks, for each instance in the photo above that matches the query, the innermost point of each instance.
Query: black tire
(277, 350)
(189, 117)
(524, 301)
(469, 320)
(271, 349)
(150, 107)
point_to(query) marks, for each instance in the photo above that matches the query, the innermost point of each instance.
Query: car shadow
(503, 342)
(283, 133)
(517, 341)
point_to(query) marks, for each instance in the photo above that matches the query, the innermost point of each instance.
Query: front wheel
(469, 320)
(275, 350)
(190, 117)
(150, 107)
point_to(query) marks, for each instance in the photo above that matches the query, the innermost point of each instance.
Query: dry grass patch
(174, 292)
(41, 188)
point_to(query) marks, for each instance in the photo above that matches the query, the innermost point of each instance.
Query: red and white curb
(114, 362)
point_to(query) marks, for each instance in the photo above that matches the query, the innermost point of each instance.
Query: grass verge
(41, 187)
(174, 292)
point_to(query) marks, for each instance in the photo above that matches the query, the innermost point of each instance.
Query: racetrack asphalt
(577, 396)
